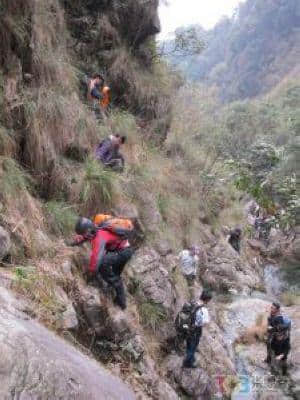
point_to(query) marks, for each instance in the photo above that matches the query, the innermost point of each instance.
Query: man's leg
(115, 164)
(118, 259)
(111, 269)
(269, 351)
(114, 280)
(120, 298)
(191, 347)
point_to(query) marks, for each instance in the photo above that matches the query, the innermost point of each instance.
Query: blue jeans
(192, 342)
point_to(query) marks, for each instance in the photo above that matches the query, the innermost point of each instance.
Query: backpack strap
(193, 316)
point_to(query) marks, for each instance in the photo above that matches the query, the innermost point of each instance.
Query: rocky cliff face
(37, 364)
(46, 131)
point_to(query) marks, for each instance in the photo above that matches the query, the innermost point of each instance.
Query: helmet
(84, 226)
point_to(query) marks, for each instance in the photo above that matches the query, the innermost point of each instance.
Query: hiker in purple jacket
(108, 152)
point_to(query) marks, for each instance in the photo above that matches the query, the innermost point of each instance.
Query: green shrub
(152, 314)
(13, 179)
(97, 186)
(61, 217)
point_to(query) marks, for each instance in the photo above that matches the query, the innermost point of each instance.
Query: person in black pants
(111, 269)
(199, 318)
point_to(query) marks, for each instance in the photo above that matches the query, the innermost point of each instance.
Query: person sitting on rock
(108, 152)
(199, 318)
(110, 253)
(235, 236)
(189, 262)
(278, 337)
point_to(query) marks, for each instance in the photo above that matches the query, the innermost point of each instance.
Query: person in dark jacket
(280, 346)
(278, 339)
(235, 239)
(110, 253)
(108, 152)
(95, 86)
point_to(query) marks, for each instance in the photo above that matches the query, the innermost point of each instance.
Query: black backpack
(186, 317)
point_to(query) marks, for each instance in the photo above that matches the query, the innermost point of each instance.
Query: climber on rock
(197, 318)
(278, 337)
(189, 263)
(235, 236)
(108, 152)
(110, 253)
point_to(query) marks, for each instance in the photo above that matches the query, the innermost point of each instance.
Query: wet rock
(5, 243)
(36, 364)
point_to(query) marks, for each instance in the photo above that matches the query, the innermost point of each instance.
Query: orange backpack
(123, 227)
(106, 97)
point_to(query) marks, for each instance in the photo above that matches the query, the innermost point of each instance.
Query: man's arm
(206, 318)
(96, 94)
(77, 241)
(98, 252)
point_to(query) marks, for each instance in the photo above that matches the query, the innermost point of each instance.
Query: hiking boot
(188, 365)
(118, 302)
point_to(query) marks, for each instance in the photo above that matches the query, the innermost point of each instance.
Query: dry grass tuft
(8, 146)
(256, 332)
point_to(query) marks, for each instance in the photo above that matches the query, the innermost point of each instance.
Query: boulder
(153, 277)
(68, 320)
(193, 382)
(36, 364)
(5, 243)
(292, 254)
(227, 270)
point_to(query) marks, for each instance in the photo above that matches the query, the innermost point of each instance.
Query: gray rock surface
(5, 243)
(36, 364)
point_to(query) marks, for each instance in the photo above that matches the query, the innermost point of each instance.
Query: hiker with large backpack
(111, 250)
(278, 337)
(189, 324)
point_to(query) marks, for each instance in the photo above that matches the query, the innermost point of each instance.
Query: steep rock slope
(37, 364)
